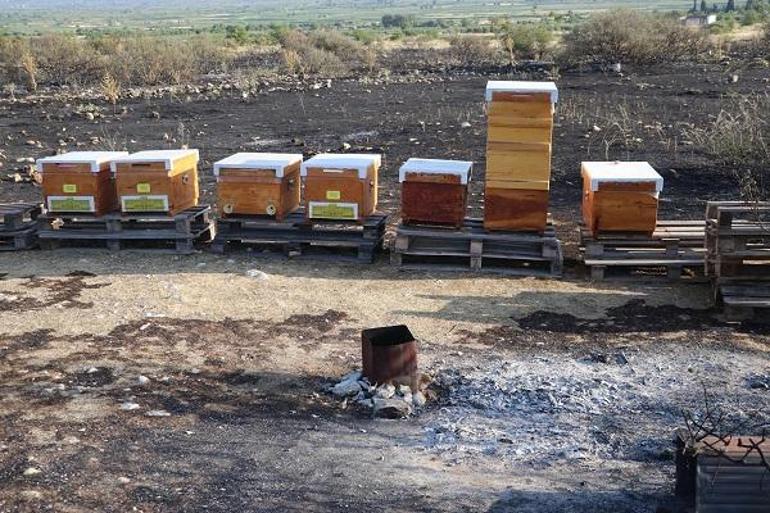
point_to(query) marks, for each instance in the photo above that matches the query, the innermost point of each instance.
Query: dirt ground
(552, 396)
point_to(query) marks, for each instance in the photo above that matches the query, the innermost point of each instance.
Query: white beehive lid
(436, 166)
(358, 161)
(96, 159)
(522, 87)
(630, 172)
(278, 162)
(148, 157)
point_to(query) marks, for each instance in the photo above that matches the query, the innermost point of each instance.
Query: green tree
(524, 40)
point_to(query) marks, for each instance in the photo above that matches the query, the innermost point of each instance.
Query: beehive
(620, 196)
(434, 191)
(519, 135)
(157, 181)
(258, 183)
(341, 186)
(79, 182)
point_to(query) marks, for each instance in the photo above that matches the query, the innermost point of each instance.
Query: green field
(179, 15)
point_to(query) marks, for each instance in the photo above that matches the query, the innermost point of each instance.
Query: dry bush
(325, 52)
(111, 89)
(628, 36)
(739, 135)
(59, 59)
(65, 60)
(472, 50)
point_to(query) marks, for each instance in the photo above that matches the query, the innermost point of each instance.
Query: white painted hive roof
(94, 158)
(146, 157)
(359, 161)
(278, 162)
(437, 166)
(523, 87)
(598, 172)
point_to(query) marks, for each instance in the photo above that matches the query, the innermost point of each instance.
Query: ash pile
(387, 400)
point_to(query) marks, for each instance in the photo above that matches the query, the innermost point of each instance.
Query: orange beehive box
(157, 181)
(434, 191)
(79, 182)
(341, 186)
(620, 196)
(258, 184)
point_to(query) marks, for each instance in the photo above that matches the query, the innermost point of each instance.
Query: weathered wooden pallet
(16, 217)
(738, 241)
(471, 248)
(157, 232)
(673, 247)
(18, 226)
(297, 236)
(19, 240)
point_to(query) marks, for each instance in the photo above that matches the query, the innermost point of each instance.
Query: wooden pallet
(738, 240)
(157, 232)
(673, 247)
(296, 236)
(18, 226)
(434, 248)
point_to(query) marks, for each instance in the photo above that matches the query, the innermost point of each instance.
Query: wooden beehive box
(79, 182)
(434, 191)
(258, 184)
(341, 186)
(620, 197)
(157, 181)
(519, 136)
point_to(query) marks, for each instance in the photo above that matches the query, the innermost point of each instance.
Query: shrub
(471, 50)
(525, 40)
(397, 21)
(740, 134)
(324, 52)
(624, 35)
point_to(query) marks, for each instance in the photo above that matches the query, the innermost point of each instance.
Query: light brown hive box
(620, 197)
(79, 182)
(341, 186)
(519, 135)
(258, 184)
(157, 181)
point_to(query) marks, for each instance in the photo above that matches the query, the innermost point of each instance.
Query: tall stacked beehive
(520, 128)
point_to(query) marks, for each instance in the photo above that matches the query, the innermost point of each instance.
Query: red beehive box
(434, 191)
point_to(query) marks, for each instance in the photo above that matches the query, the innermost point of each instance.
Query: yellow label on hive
(333, 195)
(69, 188)
(143, 188)
(333, 210)
(65, 204)
(144, 203)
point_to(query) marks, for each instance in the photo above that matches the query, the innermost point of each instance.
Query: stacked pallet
(520, 128)
(18, 226)
(738, 254)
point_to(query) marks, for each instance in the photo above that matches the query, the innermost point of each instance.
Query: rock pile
(385, 401)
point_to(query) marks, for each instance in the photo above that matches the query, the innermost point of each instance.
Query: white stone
(129, 406)
(32, 471)
(418, 399)
(385, 391)
(346, 388)
(404, 390)
(158, 413)
(123, 480)
(391, 408)
(257, 274)
(143, 380)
